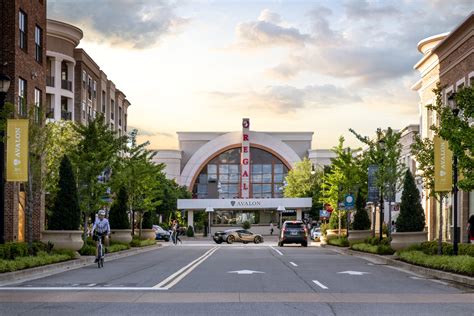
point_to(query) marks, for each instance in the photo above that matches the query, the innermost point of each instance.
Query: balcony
(65, 115)
(50, 114)
(50, 81)
(66, 85)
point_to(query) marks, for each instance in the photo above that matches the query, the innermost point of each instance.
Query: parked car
(293, 232)
(232, 235)
(315, 233)
(161, 234)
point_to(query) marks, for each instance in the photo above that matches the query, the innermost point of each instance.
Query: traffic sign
(348, 200)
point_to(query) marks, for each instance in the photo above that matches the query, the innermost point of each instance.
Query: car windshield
(294, 225)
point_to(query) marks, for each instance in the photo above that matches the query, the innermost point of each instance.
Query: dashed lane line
(293, 264)
(320, 284)
(278, 251)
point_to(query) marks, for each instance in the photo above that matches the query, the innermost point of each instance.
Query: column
(57, 89)
(191, 218)
(299, 214)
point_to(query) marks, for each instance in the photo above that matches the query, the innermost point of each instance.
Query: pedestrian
(271, 228)
(174, 228)
(394, 228)
(470, 229)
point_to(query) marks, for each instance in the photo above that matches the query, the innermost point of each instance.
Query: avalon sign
(443, 165)
(17, 150)
(246, 203)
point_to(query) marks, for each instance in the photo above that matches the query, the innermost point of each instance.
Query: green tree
(361, 218)
(412, 216)
(458, 131)
(66, 213)
(118, 216)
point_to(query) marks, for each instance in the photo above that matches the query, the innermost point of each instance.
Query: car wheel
(245, 242)
(304, 244)
(257, 240)
(218, 241)
(230, 239)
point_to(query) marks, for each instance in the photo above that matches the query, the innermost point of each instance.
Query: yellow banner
(443, 167)
(17, 150)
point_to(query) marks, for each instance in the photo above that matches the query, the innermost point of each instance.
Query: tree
(118, 216)
(66, 213)
(458, 131)
(98, 149)
(361, 218)
(412, 216)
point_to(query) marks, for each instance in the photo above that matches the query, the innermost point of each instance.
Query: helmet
(102, 212)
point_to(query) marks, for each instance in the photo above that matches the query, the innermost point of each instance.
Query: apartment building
(448, 59)
(22, 58)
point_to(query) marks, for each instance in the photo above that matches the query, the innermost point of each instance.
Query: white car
(315, 233)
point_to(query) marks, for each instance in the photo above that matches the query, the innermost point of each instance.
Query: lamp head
(4, 83)
(281, 208)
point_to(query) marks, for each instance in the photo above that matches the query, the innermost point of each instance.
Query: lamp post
(452, 104)
(381, 143)
(4, 85)
(280, 210)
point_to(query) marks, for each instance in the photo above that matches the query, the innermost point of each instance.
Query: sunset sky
(320, 66)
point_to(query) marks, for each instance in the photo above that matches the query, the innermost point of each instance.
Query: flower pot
(121, 235)
(333, 233)
(404, 240)
(359, 234)
(63, 239)
(147, 234)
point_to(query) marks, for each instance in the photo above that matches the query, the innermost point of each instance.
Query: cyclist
(101, 229)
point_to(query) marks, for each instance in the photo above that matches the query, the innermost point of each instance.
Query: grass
(340, 242)
(376, 249)
(431, 248)
(42, 258)
(142, 243)
(458, 264)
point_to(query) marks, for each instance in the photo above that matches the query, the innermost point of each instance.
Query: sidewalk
(50, 269)
(392, 261)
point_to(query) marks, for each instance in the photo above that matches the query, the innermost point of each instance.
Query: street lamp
(381, 143)
(455, 109)
(281, 209)
(4, 85)
(209, 210)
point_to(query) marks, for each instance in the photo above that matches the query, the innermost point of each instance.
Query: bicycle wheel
(99, 255)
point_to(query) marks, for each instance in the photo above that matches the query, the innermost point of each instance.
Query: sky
(309, 66)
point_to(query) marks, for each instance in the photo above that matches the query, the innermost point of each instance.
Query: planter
(147, 233)
(332, 233)
(404, 240)
(121, 235)
(63, 239)
(324, 240)
(359, 234)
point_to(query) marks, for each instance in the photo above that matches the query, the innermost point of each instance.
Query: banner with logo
(17, 150)
(443, 165)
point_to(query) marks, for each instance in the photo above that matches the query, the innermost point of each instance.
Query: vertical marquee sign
(443, 158)
(245, 160)
(17, 150)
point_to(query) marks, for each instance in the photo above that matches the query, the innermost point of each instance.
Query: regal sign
(245, 160)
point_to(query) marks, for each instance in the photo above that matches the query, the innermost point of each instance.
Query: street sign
(373, 194)
(324, 214)
(349, 200)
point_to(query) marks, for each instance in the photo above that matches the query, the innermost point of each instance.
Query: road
(202, 278)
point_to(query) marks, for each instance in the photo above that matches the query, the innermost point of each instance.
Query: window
(112, 107)
(38, 44)
(89, 88)
(103, 101)
(21, 97)
(120, 117)
(84, 77)
(38, 103)
(22, 26)
(95, 89)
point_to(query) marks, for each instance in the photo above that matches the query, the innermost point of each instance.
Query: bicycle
(100, 252)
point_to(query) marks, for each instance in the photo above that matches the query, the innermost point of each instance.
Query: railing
(50, 114)
(66, 85)
(67, 116)
(50, 81)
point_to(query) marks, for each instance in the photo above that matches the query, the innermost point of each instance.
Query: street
(203, 278)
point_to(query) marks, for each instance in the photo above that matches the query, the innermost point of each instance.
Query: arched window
(220, 178)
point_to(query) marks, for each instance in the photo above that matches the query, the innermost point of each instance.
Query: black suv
(293, 232)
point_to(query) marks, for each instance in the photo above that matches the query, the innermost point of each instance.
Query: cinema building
(239, 176)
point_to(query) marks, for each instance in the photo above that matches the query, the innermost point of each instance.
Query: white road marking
(245, 272)
(320, 284)
(278, 251)
(432, 280)
(354, 272)
(181, 273)
(92, 284)
(96, 288)
(293, 264)
(406, 271)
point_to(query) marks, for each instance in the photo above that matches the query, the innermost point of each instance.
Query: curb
(389, 260)
(8, 278)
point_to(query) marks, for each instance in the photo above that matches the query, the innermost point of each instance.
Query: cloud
(268, 30)
(288, 99)
(137, 24)
(363, 9)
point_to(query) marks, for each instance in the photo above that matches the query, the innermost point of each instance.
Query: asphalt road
(202, 278)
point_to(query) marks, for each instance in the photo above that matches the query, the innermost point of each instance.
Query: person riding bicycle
(101, 229)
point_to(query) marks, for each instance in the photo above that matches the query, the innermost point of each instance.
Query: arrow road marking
(354, 272)
(320, 284)
(245, 272)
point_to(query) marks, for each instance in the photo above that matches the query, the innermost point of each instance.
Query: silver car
(232, 235)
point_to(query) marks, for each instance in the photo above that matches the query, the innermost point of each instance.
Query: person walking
(271, 228)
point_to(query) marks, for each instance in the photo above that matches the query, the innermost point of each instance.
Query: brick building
(448, 59)
(22, 58)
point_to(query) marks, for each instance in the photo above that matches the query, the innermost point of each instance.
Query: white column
(299, 213)
(191, 218)
(57, 88)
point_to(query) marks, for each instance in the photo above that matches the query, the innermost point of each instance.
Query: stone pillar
(191, 218)
(299, 214)
(57, 87)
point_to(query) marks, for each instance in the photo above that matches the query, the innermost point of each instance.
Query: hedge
(340, 242)
(142, 243)
(431, 248)
(377, 249)
(458, 264)
(42, 258)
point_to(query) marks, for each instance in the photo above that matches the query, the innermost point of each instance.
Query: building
(240, 175)
(448, 60)
(23, 59)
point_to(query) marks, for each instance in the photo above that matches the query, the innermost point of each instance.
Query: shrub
(361, 218)
(412, 216)
(11, 250)
(375, 241)
(190, 231)
(458, 264)
(376, 249)
(340, 242)
(42, 258)
(142, 243)
(65, 214)
(431, 248)
(246, 225)
(334, 220)
(118, 217)
(324, 228)
(147, 222)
